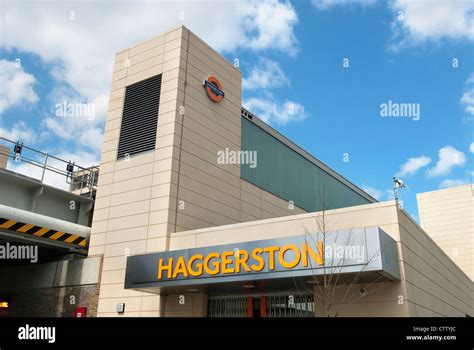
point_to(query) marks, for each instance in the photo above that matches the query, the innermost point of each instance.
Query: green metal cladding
(288, 175)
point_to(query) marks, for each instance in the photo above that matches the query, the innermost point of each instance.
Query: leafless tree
(333, 278)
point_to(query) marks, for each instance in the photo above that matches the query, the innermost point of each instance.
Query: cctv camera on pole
(397, 183)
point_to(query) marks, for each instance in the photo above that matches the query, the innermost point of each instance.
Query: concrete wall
(178, 186)
(213, 194)
(185, 305)
(52, 302)
(4, 152)
(132, 214)
(22, 192)
(51, 289)
(431, 284)
(436, 286)
(448, 217)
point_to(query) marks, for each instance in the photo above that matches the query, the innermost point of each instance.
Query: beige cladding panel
(379, 300)
(448, 217)
(134, 194)
(4, 154)
(212, 193)
(376, 215)
(204, 201)
(433, 272)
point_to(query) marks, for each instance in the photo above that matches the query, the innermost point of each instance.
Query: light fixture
(248, 286)
(4, 305)
(17, 150)
(70, 168)
(192, 290)
(120, 308)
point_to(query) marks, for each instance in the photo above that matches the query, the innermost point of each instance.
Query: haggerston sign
(237, 260)
(362, 249)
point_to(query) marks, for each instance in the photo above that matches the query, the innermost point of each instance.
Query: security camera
(398, 183)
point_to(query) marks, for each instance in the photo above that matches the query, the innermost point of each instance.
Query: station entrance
(262, 305)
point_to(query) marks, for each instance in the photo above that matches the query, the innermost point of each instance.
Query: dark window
(140, 117)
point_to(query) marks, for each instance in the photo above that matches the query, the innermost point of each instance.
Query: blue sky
(343, 104)
(291, 57)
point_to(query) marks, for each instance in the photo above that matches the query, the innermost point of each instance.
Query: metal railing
(227, 307)
(277, 305)
(81, 180)
(290, 305)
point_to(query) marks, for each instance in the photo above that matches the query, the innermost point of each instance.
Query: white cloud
(272, 111)
(91, 138)
(16, 86)
(269, 24)
(467, 99)
(471, 147)
(50, 178)
(81, 158)
(79, 40)
(266, 74)
(85, 46)
(81, 129)
(57, 127)
(413, 164)
(19, 132)
(431, 20)
(379, 194)
(77, 130)
(449, 157)
(326, 4)
(452, 183)
(374, 192)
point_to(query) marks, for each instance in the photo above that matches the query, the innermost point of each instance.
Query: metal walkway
(81, 180)
(33, 212)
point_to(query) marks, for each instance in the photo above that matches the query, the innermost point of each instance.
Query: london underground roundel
(213, 89)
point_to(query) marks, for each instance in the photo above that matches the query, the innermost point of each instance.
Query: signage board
(361, 249)
(214, 89)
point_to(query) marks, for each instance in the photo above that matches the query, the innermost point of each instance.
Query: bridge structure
(54, 217)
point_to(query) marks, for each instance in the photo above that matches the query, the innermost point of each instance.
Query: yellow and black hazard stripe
(43, 232)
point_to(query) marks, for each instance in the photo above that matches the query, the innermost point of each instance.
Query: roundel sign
(213, 88)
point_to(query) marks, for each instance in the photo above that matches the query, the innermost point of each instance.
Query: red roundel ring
(210, 93)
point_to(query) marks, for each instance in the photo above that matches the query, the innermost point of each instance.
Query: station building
(184, 233)
(202, 209)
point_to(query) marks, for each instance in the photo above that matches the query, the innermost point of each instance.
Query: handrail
(77, 177)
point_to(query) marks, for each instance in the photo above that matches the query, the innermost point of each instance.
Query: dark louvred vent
(140, 117)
